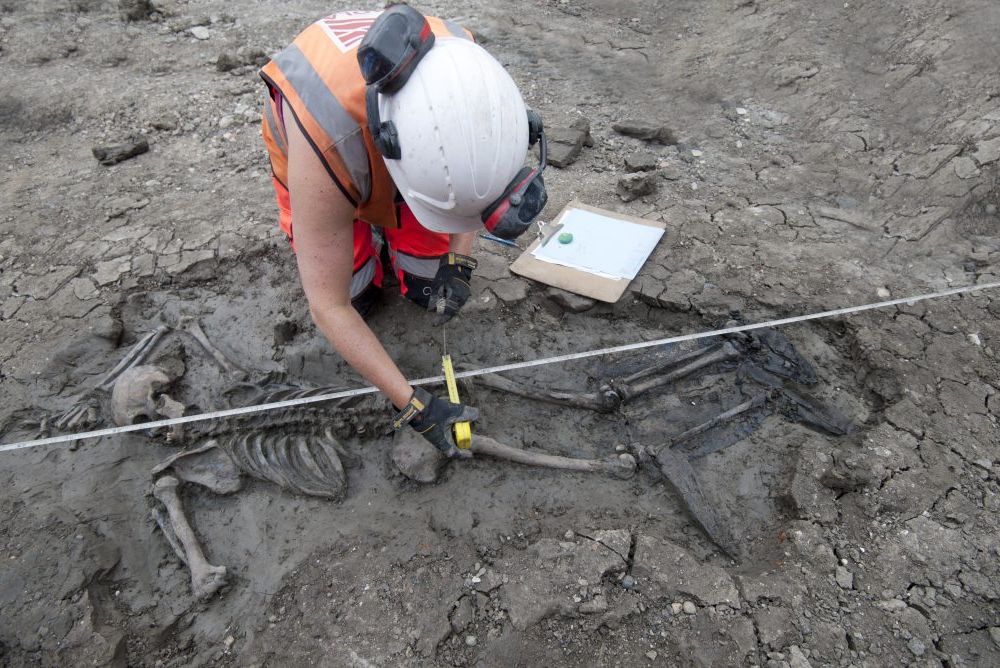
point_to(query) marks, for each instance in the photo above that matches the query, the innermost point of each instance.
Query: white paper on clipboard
(601, 245)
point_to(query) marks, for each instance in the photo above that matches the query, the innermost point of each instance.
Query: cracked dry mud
(829, 154)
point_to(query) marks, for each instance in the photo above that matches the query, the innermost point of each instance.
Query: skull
(137, 396)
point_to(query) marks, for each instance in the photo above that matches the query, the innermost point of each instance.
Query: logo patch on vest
(347, 29)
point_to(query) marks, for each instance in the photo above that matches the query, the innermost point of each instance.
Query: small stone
(797, 658)
(640, 162)
(471, 641)
(983, 463)
(83, 288)
(596, 605)
(488, 581)
(893, 605)
(917, 647)
(634, 186)
(689, 608)
(564, 145)
(188, 259)
(845, 578)
(676, 608)
(569, 535)
(415, 457)
(740, 111)
(570, 302)
(628, 582)
(463, 615)
(883, 293)
(648, 131)
(583, 125)
(111, 271)
(510, 290)
(987, 151)
(228, 642)
(651, 655)
(227, 62)
(115, 153)
(200, 32)
(144, 265)
(965, 167)
(135, 10)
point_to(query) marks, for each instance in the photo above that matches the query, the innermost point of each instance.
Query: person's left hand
(434, 419)
(450, 289)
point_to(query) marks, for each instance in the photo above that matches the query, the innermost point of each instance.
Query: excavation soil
(828, 154)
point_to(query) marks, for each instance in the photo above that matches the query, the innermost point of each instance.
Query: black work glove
(433, 418)
(450, 289)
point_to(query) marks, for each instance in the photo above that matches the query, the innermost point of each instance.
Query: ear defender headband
(391, 49)
(388, 54)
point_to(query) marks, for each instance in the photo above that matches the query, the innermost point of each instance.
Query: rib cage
(306, 463)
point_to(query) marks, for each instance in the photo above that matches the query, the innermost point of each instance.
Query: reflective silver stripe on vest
(363, 277)
(455, 29)
(330, 114)
(273, 126)
(418, 266)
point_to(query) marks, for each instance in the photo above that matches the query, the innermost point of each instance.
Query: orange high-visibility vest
(319, 77)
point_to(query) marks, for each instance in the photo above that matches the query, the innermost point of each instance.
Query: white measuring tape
(261, 408)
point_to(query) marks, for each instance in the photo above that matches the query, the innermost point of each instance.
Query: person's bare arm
(462, 243)
(323, 222)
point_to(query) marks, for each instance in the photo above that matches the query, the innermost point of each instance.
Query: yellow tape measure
(463, 430)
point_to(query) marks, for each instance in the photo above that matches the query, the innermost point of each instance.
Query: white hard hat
(463, 133)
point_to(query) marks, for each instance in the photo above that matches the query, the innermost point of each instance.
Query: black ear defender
(523, 200)
(391, 49)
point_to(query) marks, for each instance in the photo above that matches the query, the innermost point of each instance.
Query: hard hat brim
(435, 221)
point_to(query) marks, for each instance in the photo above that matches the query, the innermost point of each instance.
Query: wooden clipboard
(580, 282)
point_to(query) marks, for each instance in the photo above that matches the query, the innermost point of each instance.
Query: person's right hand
(433, 419)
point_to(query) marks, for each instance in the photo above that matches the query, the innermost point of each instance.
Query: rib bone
(206, 579)
(192, 327)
